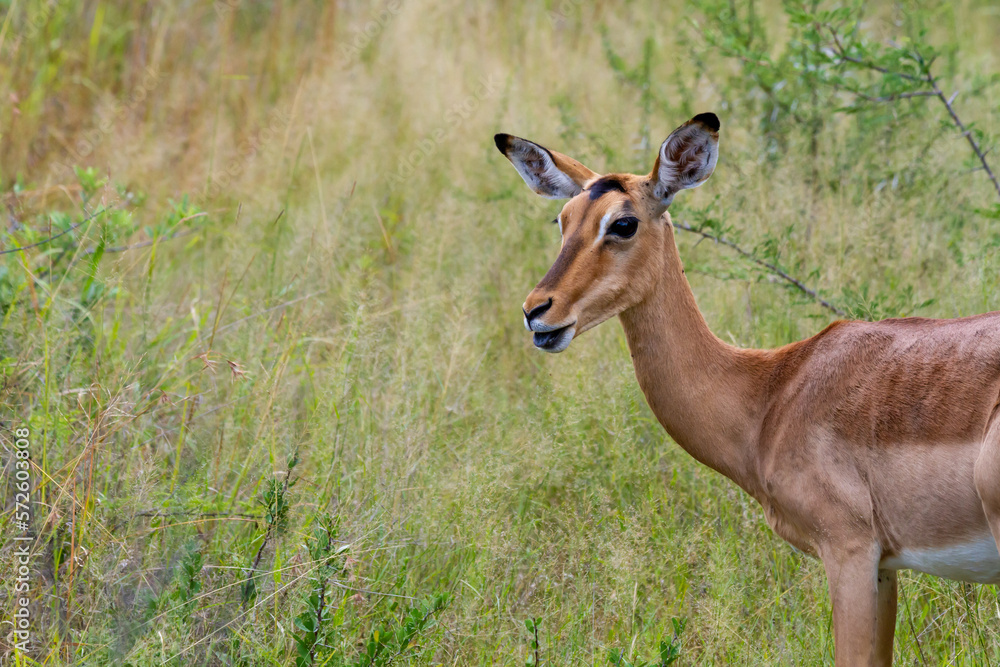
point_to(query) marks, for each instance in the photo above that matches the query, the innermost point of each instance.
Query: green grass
(355, 286)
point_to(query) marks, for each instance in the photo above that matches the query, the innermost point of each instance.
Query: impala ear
(687, 158)
(550, 174)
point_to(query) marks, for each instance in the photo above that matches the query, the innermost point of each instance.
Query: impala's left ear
(687, 158)
(550, 174)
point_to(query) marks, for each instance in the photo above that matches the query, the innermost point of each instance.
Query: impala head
(614, 233)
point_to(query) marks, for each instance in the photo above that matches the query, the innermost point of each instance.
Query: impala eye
(624, 227)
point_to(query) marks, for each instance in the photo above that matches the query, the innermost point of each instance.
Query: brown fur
(860, 441)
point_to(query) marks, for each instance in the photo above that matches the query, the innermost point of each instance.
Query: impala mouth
(555, 340)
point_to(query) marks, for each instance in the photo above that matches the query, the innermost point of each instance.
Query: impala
(874, 446)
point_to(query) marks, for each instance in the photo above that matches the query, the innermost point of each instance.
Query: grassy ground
(285, 358)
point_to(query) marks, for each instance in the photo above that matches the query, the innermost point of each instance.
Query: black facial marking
(569, 250)
(605, 184)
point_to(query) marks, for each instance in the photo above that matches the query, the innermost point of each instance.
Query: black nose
(537, 310)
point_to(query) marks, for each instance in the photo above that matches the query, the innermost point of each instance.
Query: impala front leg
(864, 606)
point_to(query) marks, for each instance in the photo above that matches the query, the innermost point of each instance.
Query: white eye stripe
(559, 220)
(605, 221)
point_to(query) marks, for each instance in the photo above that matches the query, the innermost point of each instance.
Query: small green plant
(188, 584)
(670, 651)
(51, 244)
(276, 507)
(322, 640)
(533, 654)
(312, 622)
(386, 643)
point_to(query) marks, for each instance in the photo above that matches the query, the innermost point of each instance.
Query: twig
(878, 68)
(935, 91)
(534, 627)
(145, 244)
(965, 132)
(272, 527)
(797, 284)
(322, 602)
(366, 591)
(54, 237)
(272, 309)
(157, 513)
(142, 244)
(898, 96)
(256, 562)
(842, 52)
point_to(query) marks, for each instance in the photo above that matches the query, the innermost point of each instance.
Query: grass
(310, 378)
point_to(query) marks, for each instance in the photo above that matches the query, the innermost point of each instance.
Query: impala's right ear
(548, 173)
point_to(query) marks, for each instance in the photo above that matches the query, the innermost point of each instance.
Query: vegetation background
(269, 348)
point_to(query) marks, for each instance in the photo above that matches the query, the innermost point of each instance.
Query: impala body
(874, 446)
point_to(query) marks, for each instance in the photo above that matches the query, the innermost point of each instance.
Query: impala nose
(535, 312)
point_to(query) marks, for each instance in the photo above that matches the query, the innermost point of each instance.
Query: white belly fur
(976, 561)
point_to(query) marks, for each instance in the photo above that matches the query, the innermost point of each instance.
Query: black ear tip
(501, 141)
(709, 120)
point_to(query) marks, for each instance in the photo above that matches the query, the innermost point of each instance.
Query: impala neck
(708, 395)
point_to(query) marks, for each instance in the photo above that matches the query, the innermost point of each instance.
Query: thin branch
(366, 591)
(842, 53)
(135, 246)
(534, 627)
(146, 244)
(272, 527)
(54, 237)
(797, 284)
(142, 244)
(271, 309)
(322, 603)
(928, 79)
(251, 573)
(965, 131)
(158, 513)
(898, 96)
(879, 68)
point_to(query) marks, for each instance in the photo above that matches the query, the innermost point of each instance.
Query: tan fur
(862, 441)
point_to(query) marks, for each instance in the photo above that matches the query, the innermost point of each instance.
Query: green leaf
(306, 621)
